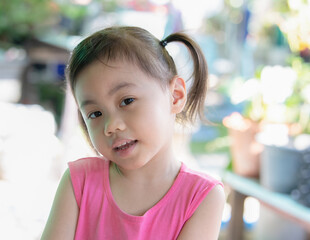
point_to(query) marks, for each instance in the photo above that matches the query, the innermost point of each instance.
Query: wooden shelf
(278, 202)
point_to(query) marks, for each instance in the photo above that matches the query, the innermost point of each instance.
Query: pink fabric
(101, 218)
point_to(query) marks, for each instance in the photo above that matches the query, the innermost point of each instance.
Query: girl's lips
(121, 143)
(125, 145)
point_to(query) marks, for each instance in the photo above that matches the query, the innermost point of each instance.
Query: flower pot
(280, 167)
(245, 150)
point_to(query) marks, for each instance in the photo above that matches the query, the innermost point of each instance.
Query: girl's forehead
(108, 74)
(112, 67)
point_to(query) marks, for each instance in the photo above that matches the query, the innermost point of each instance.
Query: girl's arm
(205, 223)
(63, 217)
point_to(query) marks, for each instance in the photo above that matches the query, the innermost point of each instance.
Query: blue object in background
(60, 70)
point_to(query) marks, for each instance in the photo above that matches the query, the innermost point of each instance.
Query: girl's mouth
(125, 146)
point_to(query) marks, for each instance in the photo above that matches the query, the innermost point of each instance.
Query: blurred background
(258, 53)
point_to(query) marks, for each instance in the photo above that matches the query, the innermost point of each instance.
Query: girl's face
(127, 113)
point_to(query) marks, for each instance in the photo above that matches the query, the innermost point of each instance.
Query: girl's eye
(127, 101)
(94, 115)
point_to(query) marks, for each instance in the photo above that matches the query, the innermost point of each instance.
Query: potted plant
(283, 95)
(277, 102)
(281, 159)
(243, 126)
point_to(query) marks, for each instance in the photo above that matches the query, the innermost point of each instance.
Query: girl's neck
(160, 169)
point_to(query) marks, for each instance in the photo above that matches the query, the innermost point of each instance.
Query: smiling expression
(127, 113)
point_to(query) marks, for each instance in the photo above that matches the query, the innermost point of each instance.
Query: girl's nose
(112, 125)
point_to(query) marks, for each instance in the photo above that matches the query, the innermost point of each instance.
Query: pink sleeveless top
(101, 218)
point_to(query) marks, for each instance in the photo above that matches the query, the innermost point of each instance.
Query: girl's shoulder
(195, 187)
(87, 175)
(88, 165)
(199, 178)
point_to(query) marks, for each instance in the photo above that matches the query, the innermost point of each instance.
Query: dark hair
(138, 46)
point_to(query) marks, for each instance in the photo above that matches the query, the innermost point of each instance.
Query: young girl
(129, 95)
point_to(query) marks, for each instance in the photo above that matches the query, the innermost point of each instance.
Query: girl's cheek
(91, 134)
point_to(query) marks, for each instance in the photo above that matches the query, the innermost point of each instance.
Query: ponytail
(197, 92)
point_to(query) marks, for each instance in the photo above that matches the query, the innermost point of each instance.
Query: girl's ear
(178, 94)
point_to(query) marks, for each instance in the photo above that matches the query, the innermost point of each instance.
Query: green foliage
(299, 101)
(303, 70)
(52, 97)
(258, 71)
(281, 6)
(74, 12)
(24, 19)
(110, 5)
(20, 20)
(219, 144)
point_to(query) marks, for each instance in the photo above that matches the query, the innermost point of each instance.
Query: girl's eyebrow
(87, 102)
(110, 93)
(120, 86)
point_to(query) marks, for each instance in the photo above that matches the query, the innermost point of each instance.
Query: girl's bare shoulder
(63, 217)
(206, 221)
